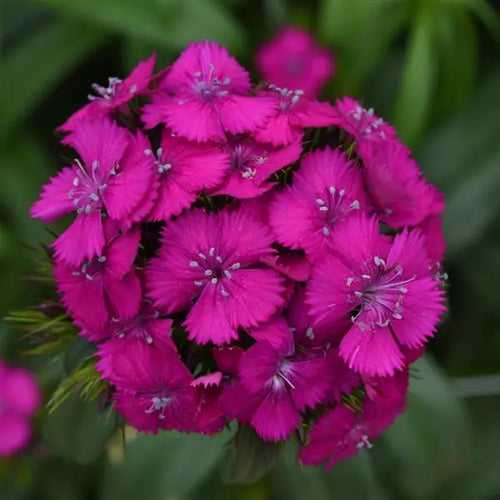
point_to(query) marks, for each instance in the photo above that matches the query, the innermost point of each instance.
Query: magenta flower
(283, 382)
(341, 433)
(184, 169)
(206, 94)
(326, 191)
(122, 335)
(362, 124)
(19, 399)
(104, 287)
(385, 288)
(157, 393)
(112, 179)
(214, 260)
(293, 59)
(394, 183)
(252, 164)
(293, 113)
(114, 96)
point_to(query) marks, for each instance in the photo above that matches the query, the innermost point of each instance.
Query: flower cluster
(247, 253)
(19, 399)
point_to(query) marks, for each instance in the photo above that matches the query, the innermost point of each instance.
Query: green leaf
(78, 431)
(248, 457)
(431, 439)
(413, 105)
(170, 23)
(167, 465)
(473, 206)
(379, 22)
(30, 70)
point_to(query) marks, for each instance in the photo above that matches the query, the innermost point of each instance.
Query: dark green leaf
(30, 70)
(78, 431)
(169, 465)
(248, 457)
(170, 23)
(413, 104)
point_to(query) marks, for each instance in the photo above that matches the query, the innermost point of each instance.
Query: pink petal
(15, 433)
(84, 239)
(371, 352)
(21, 393)
(54, 201)
(121, 253)
(99, 139)
(241, 114)
(276, 417)
(124, 294)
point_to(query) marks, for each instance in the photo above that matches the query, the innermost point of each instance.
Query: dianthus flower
(213, 260)
(111, 180)
(107, 99)
(206, 94)
(384, 287)
(293, 59)
(19, 399)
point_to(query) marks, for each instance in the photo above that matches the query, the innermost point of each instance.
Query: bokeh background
(432, 67)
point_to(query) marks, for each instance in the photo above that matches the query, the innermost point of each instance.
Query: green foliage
(168, 462)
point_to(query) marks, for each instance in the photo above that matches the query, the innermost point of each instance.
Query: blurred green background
(430, 66)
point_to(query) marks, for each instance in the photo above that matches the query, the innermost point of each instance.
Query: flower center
(88, 187)
(283, 377)
(366, 122)
(106, 93)
(334, 206)
(288, 98)
(92, 269)
(162, 166)
(213, 269)
(207, 85)
(245, 160)
(159, 404)
(379, 295)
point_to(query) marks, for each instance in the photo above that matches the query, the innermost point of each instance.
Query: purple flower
(386, 289)
(293, 113)
(111, 180)
(281, 381)
(341, 432)
(214, 260)
(19, 399)
(184, 169)
(326, 191)
(252, 164)
(293, 59)
(103, 287)
(156, 392)
(105, 100)
(205, 94)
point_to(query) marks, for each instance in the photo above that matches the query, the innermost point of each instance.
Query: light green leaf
(414, 102)
(169, 23)
(78, 431)
(431, 439)
(167, 465)
(30, 70)
(248, 457)
(360, 32)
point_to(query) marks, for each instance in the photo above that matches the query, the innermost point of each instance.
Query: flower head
(384, 287)
(326, 191)
(293, 59)
(214, 260)
(252, 164)
(293, 113)
(112, 180)
(205, 94)
(184, 169)
(19, 399)
(106, 99)
(103, 287)
(341, 432)
(156, 392)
